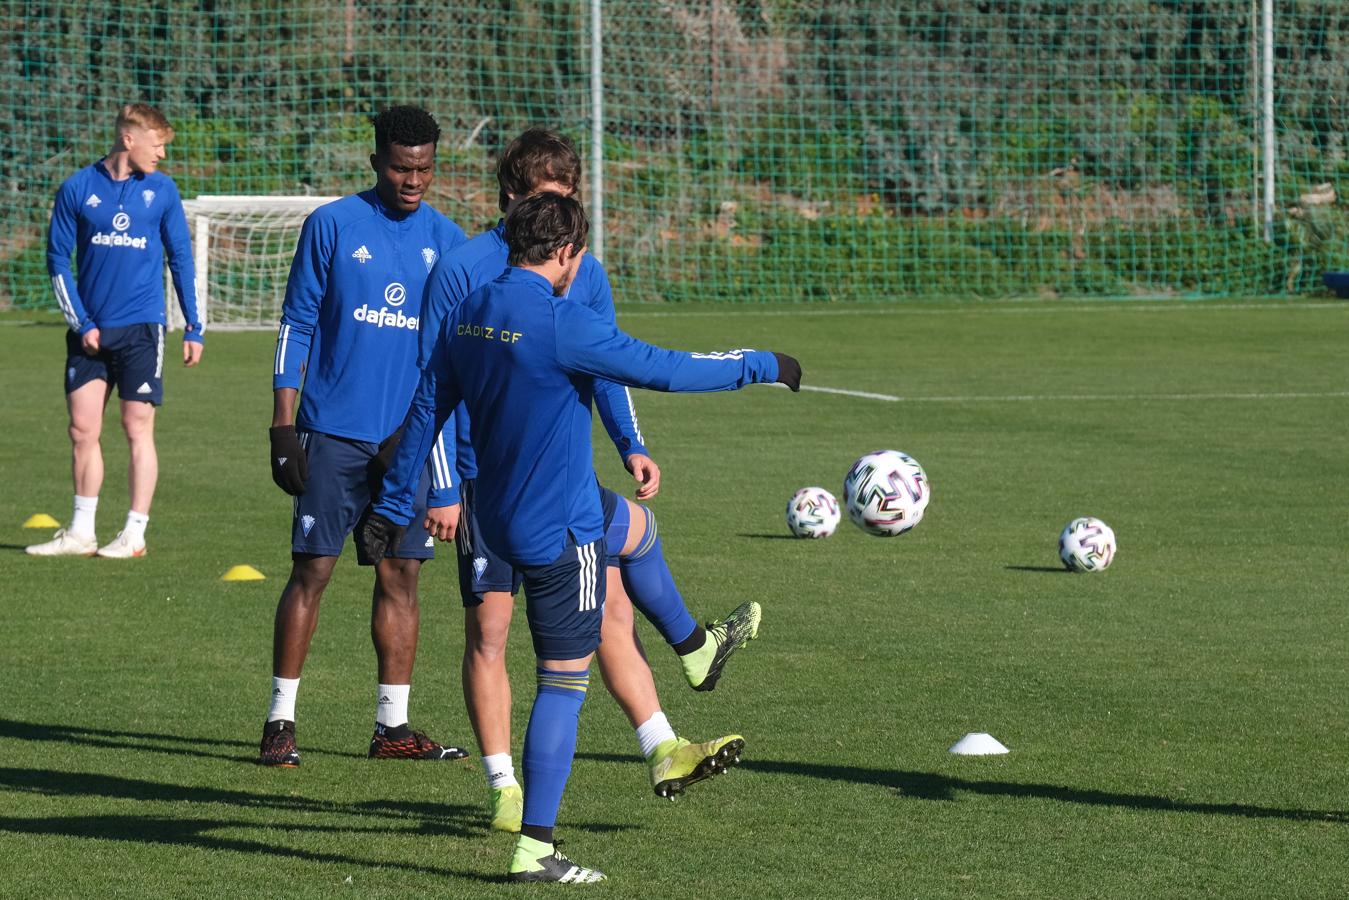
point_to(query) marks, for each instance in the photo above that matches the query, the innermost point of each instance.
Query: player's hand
(90, 340)
(789, 371)
(443, 521)
(379, 463)
(375, 535)
(191, 353)
(290, 466)
(646, 473)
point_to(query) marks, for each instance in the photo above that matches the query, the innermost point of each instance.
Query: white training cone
(978, 743)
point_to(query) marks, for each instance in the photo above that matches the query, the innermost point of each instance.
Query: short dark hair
(538, 155)
(410, 126)
(539, 226)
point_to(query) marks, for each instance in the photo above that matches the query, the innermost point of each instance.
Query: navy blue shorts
(337, 493)
(131, 357)
(481, 570)
(565, 601)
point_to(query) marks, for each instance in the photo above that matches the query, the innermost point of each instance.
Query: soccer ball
(1087, 545)
(812, 513)
(886, 493)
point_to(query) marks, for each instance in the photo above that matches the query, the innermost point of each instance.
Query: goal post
(242, 247)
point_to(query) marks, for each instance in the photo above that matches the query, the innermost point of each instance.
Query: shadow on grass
(769, 537)
(197, 832)
(929, 786)
(1057, 570)
(150, 742)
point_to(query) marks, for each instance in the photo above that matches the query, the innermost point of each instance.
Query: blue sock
(550, 743)
(647, 579)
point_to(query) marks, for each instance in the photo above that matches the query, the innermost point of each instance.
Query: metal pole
(1268, 80)
(596, 131)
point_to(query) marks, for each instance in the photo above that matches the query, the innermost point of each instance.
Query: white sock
(82, 520)
(135, 525)
(391, 705)
(500, 771)
(654, 732)
(283, 698)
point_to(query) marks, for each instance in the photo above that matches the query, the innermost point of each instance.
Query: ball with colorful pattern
(813, 513)
(1087, 545)
(886, 493)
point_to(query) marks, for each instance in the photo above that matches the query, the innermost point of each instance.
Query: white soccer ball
(1087, 545)
(813, 513)
(886, 493)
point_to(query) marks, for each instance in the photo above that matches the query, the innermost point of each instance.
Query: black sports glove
(379, 463)
(375, 535)
(290, 466)
(789, 371)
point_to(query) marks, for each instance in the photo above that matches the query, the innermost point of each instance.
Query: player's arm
(178, 245)
(305, 288)
(60, 245)
(587, 344)
(614, 403)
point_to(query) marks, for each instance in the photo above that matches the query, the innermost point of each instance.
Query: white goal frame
(200, 213)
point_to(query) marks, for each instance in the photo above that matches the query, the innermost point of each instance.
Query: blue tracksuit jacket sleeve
(587, 344)
(178, 244)
(432, 407)
(614, 401)
(304, 292)
(60, 244)
(421, 420)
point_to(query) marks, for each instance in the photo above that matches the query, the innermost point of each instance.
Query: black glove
(375, 536)
(290, 467)
(379, 463)
(789, 371)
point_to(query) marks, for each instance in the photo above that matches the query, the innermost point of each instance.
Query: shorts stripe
(159, 354)
(589, 582)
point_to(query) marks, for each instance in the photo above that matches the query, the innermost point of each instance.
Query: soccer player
(120, 216)
(349, 331)
(542, 160)
(524, 358)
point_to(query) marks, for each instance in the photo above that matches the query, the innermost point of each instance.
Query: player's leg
(395, 618)
(565, 600)
(137, 365)
(487, 587)
(322, 517)
(703, 653)
(297, 616)
(87, 391)
(674, 762)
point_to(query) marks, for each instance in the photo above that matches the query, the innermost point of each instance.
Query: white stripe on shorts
(159, 354)
(589, 584)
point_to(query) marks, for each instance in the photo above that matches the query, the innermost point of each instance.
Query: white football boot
(123, 547)
(65, 544)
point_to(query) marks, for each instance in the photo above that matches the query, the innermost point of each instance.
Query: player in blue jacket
(536, 161)
(119, 216)
(523, 358)
(349, 333)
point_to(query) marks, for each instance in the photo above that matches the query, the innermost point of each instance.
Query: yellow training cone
(41, 520)
(242, 573)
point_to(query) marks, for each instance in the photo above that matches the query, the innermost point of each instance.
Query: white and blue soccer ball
(1087, 545)
(886, 493)
(813, 513)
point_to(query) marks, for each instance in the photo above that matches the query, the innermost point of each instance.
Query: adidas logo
(384, 698)
(430, 541)
(281, 460)
(361, 255)
(93, 201)
(144, 388)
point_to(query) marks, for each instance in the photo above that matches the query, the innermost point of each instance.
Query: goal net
(242, 247)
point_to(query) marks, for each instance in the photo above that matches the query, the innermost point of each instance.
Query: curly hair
(410, 126)
(539, 226)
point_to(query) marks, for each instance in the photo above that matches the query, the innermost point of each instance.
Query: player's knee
(83, 434)
(486, 630)
(309, 578)
(641, 532)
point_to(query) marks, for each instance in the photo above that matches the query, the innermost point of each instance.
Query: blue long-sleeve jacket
(351, 316)
(476, 263)
(119, 232)
(524, 363)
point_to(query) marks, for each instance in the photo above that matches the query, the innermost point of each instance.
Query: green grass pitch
(1177, 723)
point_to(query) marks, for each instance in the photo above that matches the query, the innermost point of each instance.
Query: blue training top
(476, 263)
(352, 310)
(524, 363)
(119, 231)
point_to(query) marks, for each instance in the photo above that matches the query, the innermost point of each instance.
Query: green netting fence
(752, 150)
